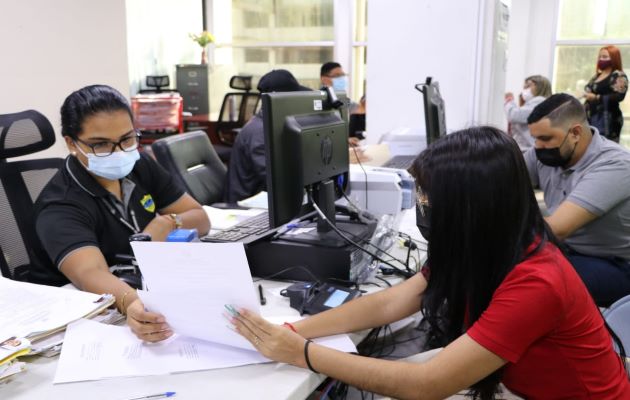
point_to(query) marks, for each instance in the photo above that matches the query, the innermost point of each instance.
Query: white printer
(381, 190)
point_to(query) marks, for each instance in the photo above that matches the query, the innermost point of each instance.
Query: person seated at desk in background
(586, 182)
(496, 291)
(247, 174)
(105, 192)
(535, 90)
(331, 74)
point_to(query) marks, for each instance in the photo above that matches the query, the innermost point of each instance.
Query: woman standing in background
(603, 93)
(535, 90)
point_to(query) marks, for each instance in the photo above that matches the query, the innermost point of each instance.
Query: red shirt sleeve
(525, 307)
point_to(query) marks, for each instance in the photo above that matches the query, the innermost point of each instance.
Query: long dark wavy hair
(483, 217)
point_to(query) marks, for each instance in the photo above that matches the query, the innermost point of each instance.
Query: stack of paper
(11, 368)
(36, 311)
(31, 313)
(10, 349)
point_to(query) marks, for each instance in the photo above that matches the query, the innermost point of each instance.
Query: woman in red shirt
(500, 296)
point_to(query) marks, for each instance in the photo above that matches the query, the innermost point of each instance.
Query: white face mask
(113, 167)
(527, 94)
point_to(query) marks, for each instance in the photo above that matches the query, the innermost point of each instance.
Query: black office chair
(191, 158)
(21, 182)
(237, 108)
(157, 84)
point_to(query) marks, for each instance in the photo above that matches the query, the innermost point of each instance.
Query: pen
(155, 396)
(263, 301)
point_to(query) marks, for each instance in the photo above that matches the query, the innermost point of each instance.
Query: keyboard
(249, 229)
(400, 162)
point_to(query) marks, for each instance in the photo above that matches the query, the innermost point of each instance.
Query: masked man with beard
(586, 183)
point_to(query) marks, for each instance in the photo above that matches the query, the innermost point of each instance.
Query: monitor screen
(306, 146)
(434, 116)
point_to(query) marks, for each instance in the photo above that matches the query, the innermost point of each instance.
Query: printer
(380, 190)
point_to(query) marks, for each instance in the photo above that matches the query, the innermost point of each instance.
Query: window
(157, 38)
(584, 26)
(359, 49)
(256, 36)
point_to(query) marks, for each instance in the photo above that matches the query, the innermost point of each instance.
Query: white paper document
(226, 218)
(95, 351)
(190, 284)
(258, 200)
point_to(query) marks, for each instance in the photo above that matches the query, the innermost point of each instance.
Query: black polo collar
(79, 174)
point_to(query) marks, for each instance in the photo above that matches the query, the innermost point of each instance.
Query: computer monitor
(434, 116)
(306, 145)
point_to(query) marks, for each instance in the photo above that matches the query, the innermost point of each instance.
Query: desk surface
(261, 381)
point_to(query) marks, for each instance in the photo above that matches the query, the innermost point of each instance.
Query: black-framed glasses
(106, 148)
(422, 200)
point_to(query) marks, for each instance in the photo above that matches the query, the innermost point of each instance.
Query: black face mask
(553, 157)
(423, 222)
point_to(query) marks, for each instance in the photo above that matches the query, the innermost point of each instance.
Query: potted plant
(203, 40)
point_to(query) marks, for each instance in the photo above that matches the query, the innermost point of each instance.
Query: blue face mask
(340, 83)
(113, 167)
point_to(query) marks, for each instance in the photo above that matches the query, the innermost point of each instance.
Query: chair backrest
(618, 318)
(236, 110)
(157, 84)
(191, 158)
(21, 182)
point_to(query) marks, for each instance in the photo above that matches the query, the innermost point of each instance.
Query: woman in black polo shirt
(106, 192)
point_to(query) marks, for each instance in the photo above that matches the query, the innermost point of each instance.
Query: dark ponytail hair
(87, 101)
(482, 203)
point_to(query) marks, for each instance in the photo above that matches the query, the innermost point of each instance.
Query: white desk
(262, 381)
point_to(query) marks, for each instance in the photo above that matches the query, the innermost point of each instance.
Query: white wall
(51, 48)
(531, 41)
(409, 40)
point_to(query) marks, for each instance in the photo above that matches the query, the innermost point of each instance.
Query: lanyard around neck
(135, 228)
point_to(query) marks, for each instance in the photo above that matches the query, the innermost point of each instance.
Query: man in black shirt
(247, 171)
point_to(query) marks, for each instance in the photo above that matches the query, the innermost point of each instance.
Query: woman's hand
(147, 326)
(356, 155)
(354, 141)
(509, 96)
(273, 341)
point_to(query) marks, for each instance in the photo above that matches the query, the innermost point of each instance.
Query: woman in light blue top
(535, 90)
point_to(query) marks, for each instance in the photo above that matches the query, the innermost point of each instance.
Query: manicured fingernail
(160, 320)
(232, 328)
(168, 334)
(231, 310)
(164, 327)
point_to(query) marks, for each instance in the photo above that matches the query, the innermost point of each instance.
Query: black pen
(263, 301)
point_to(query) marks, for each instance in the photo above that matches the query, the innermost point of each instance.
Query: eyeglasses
(106, 148)
(422, 200)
